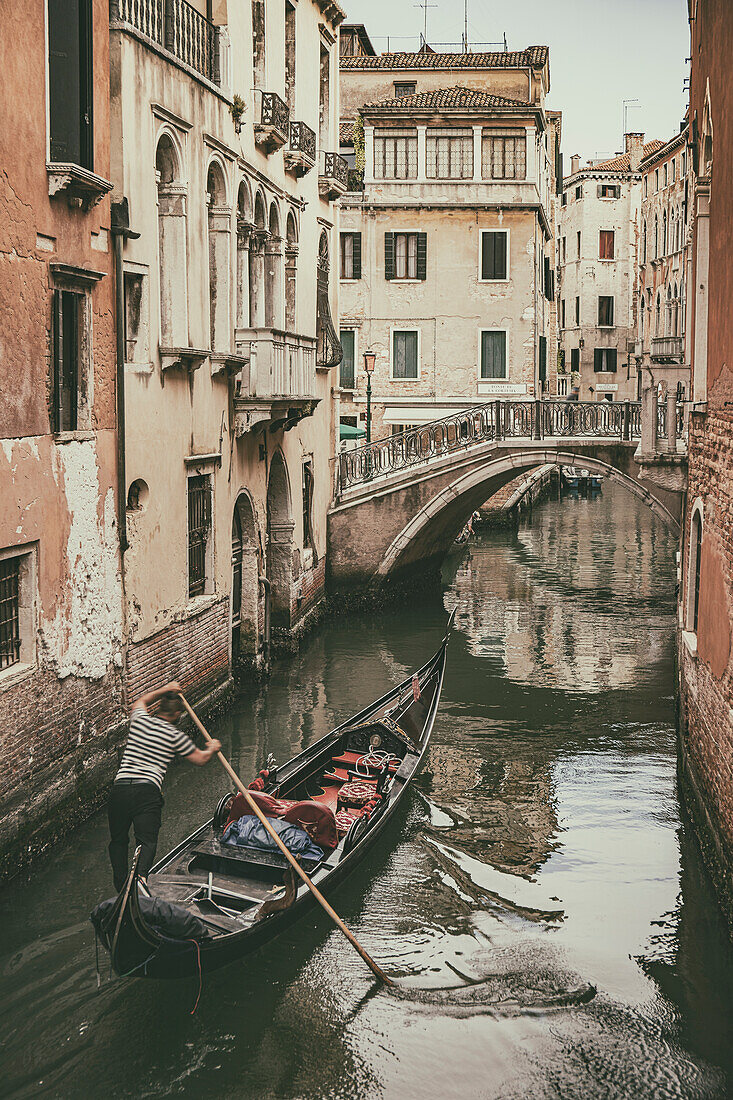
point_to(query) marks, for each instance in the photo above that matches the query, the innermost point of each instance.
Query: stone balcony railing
(667, 348)
(272, 125)
(280, 381)
(177, 27)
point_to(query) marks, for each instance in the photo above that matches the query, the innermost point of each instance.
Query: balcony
(667, 349)
(273, 129)
(177, 28)
(333, 176)
(300, 156)
(279, 389)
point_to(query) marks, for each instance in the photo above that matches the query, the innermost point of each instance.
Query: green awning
(348, 431)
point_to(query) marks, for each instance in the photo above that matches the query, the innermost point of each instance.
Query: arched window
(244, 230)
(675, 312)
(219, 218)
(656, 236)
(664, 233)
(273, 272)
(668, 314)
(641, 319)
(693, 569)
(658, 317)
(329, 352)
(291, 260)
(643, 242)
(257, 264)
(171, 245)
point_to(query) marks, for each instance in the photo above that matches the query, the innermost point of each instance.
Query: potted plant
(237, 109)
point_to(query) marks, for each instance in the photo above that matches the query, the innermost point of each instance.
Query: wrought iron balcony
(666, 349)
(333, 176)
(177, 27)
(272, 129)
(300, 156)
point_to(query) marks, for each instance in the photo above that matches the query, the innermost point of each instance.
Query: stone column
(220, 220)
(172, 265)
(274, 296)
(421, 153)
(532, 166)
(257, 278)
(291, 299)
(477, 141)
(244, 230)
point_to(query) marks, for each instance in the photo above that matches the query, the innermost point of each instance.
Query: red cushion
(317, 820)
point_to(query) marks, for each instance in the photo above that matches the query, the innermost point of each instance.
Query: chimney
(574, 164)
(634, 144)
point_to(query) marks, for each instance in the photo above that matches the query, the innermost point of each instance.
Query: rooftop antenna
(505, 45)
(424, 4)
(628, 105)
(465, 26)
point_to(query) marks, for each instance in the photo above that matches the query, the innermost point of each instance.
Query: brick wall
(706, 679)
(311, 587)
(194, 651)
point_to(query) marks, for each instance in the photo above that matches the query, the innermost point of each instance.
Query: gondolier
(136, 797)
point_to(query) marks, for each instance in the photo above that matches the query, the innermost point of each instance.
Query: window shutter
(357, 255)
(487, 255)
(64, 80)
(543, 359)
(597, 359)
(575, 359)
(411, 355)
(389, 255)
(422, 255)
(500, 256)
(611, 360)
(55, 403)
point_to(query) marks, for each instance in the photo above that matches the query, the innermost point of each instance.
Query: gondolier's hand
(203, 756)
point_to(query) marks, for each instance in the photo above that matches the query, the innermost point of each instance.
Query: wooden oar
(288, 855)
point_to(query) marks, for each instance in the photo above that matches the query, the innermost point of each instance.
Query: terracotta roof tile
(532, 55)
(622, 163)
(346, 133)
(445, 99)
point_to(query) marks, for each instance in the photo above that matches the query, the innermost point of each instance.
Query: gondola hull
(192, 874)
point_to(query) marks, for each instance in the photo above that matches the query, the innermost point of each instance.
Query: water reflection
(543, 855)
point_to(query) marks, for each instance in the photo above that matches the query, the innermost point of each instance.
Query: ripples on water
(542, 855)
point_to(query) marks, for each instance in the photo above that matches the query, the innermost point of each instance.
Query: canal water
(543, 854)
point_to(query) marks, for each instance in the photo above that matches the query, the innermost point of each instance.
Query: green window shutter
(357, 255)
(493, 255)
(611, 360)
(543, 359)
(404, 355)
(575, 359)
(56, 362)
(389, 255)
(597, 359)
(493, 355)
(347, 366)
(422, 255)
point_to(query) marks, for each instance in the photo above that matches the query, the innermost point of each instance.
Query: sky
(602, 52)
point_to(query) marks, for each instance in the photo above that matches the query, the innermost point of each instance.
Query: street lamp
(370, 359)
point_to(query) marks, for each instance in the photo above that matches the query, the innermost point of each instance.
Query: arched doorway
(245, 581)
(279, 543)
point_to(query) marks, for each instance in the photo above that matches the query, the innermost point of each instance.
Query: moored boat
(218, 896)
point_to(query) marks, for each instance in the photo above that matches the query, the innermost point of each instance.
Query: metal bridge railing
(492, 422)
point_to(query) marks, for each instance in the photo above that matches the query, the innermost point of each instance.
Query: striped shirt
(151, 745)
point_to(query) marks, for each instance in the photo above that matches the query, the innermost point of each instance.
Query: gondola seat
(317, 819)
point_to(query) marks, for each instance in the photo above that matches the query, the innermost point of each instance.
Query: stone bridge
(400, 502)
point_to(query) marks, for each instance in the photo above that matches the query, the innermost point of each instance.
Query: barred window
(504, 154)
(9, 612)
(395, 154)
(449, 153)
(199, 532)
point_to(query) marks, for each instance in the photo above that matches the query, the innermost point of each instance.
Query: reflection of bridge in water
(401, 501)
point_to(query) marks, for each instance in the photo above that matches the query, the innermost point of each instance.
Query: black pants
(139, 805)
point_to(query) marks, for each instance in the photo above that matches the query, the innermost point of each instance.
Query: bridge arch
(428, 535)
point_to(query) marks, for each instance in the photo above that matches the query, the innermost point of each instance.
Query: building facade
(598, 263)
(61, 612)
(230, 283)
(661, 353)
(706, 588)
(446, 256)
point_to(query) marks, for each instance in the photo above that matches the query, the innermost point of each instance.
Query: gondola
(207, 903)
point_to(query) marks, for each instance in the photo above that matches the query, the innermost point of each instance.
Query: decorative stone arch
(291, 263)
(244, 229)
(219, 226)
(443, 516)
(274, 302)
(706, 137)
(244, 598)
(257, 263)
(694, 556)
(172, 252)
(280, 526)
